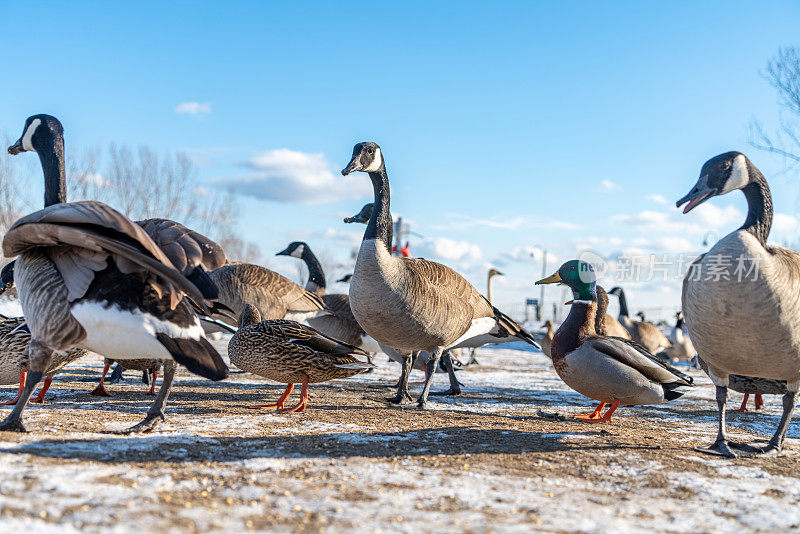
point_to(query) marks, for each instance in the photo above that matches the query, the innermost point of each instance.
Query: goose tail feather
(197, 355)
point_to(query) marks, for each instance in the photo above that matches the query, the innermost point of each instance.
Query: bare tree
(783, 73)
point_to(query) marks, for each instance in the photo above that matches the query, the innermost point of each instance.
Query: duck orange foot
(595, 416)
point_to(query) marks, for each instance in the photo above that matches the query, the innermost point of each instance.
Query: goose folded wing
(442, 286)
(81, 250)
(186, 248)
(292, 295)
(636, 357)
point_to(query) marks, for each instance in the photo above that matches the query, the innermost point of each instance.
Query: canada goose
(742, 294)
(606, 369)
(290, 352)
(14, 363)
(646, 334)
(90, 278)
(751, 385)
(605, 325)
(491, 274)
(150, 367)
(274, 295)
(681, 348)
(547, 340)
(411, 303)
(420, 358)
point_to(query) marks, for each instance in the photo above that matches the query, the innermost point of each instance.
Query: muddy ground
(502, 457)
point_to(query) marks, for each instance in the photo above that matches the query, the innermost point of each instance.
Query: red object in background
(403, 250)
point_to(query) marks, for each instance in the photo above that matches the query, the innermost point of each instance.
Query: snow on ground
(504, 456)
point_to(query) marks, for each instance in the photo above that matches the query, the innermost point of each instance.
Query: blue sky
(505, 127)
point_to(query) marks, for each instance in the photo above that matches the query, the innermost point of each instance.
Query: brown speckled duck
(14, 362)
(290, 352)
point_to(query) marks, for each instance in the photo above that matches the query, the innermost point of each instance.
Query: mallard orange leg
(40, 398)
(743, 407)
(300, 406)
(595, 416)
(759, 402)
(101, 390)
(152, 390)
(279, 404)
(22, 374)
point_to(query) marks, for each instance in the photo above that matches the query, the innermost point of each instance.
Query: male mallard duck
(646, 334)
(411, 303)
(606, 369)
(290, 352)
(742, 298)
(751, 385)
(15, 339)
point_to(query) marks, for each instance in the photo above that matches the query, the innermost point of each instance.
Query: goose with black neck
(742, 299)
(410, 303)
(90, 278)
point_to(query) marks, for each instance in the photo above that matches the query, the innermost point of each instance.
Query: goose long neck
(380, 222)
(489, 288)
(623, 304)
(55, 179)
(316, 276)
(574, 331)
(759, 206)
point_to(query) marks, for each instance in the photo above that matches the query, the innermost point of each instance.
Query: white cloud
(446, 249)
(608, 185)
(193, 108)
(90, 178)
(524, 255)
(782, 222)
(658, 199)
(286, 175)
(706, 218)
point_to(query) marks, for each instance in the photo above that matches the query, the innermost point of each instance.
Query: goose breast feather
(767, 301)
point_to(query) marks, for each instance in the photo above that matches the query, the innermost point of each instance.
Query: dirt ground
(502, 457)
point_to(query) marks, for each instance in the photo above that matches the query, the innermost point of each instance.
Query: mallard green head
(579, 276)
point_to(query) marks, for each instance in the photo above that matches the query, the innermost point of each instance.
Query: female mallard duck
(606, 369)
(547, 339)
(751, 385)
(742, 294)
(149, 366)
(646, 334)
(90, 278)
(15, 339)
(290, 352)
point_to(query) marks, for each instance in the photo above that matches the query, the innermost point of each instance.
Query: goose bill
(699, 194)
(16, 148)
(353, 166)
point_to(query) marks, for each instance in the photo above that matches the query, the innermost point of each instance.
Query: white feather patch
(298, 251)
(125, 335)
(377, 161)
(477, 329)
(739, 177)
(27, 137)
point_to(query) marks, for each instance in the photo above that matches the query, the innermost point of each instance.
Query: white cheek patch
(377, 161)
(298, 252)
(27, 137)
(739, 177)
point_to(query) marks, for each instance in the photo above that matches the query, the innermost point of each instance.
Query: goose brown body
(274, 295)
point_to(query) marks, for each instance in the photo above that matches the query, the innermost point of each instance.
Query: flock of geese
(145, 294)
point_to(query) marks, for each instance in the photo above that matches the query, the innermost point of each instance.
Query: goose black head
(367, 157)
(362, 216)
(7, 277)
(640, 315)
(295, 250)
(719, 175)
(615, 291)
(40, 131)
